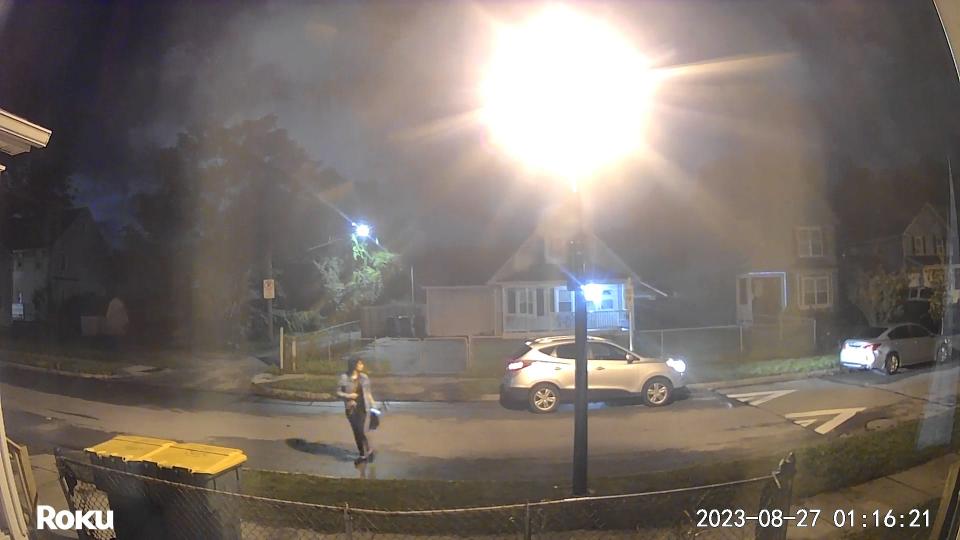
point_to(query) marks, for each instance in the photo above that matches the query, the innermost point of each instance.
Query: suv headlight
(677, 365)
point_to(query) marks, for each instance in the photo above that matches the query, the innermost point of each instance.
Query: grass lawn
(74, 365)
(720, 371)
(315, 383)
(121, 355)
(488, 356)
(401, 388)
(831, 465)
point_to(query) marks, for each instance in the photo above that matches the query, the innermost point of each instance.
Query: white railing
(596, 320)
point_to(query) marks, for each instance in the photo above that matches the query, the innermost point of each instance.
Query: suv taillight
(517, 365)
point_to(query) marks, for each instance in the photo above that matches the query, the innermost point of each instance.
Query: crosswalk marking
(839, 417)
(758, 398)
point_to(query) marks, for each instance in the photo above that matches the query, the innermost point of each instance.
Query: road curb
(78, 374)
(763, 380)
(261, 389)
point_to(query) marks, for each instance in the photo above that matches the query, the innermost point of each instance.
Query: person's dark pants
(358, 423)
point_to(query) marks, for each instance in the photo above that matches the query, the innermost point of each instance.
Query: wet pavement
(473, 440)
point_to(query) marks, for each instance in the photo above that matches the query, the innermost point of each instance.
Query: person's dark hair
(352, 364)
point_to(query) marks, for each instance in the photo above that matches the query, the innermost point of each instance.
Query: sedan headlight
(677, 365)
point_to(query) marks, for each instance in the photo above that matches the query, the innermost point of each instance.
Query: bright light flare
(362, 230)
(566, 94)
(593, 292)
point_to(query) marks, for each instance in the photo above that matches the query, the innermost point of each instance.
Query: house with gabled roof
(529, 294)
(57, 257)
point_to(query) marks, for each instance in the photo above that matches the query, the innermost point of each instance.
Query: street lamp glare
(566, 94)
(362, 230)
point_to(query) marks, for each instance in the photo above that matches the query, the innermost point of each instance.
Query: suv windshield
(479, 269)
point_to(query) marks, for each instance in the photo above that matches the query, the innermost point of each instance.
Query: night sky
(379, 91)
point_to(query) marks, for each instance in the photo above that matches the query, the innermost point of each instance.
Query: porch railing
(596, 320)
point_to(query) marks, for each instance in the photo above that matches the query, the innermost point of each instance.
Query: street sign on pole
(269, 289)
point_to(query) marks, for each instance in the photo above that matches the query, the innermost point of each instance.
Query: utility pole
(270, 276)
(413, 294)
(578, 270)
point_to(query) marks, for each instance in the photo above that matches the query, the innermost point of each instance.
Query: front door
(760, 297)
(611, 374)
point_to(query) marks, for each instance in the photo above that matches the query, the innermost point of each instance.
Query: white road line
(839, 416)
(758, 398)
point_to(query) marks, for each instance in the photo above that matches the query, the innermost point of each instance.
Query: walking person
(354, 390)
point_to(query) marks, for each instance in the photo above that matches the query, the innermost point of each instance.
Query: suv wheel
(657, 392)
(892, 364)
(544, 398)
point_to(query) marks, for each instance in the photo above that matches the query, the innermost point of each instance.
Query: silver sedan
(542, 374)
(889, 347)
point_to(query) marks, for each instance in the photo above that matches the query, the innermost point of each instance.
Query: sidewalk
(899, 492)
(49, 491)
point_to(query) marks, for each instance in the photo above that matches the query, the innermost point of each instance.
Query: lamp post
(566, 95)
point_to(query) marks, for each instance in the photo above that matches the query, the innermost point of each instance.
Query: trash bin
(137, 513)
(195, 513)
(404, 327)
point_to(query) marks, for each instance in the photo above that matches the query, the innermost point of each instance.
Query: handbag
(375, 414)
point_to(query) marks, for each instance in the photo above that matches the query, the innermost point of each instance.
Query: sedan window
(918, 331)
(900, 332)
(568, 351)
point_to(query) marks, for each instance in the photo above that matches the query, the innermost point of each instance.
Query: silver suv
(541, 374)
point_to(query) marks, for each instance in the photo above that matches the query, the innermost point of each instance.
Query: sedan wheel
(544, 398)
(892, 365)
(657, 392)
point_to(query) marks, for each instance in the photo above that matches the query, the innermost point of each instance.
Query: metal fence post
(347, 522)
(281, 349)
(293, 354)
(527, 529)
(777, 496)
(661, 342)
(740, 327)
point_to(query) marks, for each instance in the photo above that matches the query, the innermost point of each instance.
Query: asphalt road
(475, 440)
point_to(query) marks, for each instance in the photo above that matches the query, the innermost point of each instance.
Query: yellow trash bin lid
(199, 458)
(130, 447)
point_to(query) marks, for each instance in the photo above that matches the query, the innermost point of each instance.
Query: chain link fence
(322, 350)
(146, 507)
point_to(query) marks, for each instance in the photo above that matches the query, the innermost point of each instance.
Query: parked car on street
(889, 347)
(541, 374)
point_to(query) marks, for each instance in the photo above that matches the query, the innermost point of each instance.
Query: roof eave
(18, 135)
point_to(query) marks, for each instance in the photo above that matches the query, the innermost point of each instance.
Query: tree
(881, 295)
(355, 281)
(938, 295)
(233, 201)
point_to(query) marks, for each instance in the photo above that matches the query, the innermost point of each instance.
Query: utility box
(137, 511)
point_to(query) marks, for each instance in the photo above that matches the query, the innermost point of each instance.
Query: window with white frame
(530, 301)
(919, 245)
(810, 241)
(607, 300)
(815, 291)
(564, 300)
